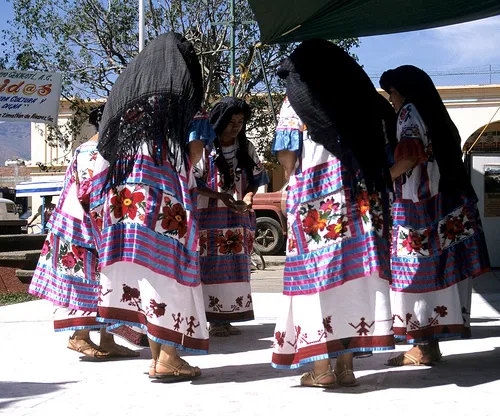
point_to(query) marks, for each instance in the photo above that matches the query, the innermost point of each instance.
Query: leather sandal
(119, 351)
(181, 372)
(341, 377)
(399, 360)
(232, 330)
(218, 331)
(316, 379)
(87, 348)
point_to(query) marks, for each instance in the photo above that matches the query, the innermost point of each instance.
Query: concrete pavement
(39, 376)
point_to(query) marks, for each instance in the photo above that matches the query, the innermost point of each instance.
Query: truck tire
(269, 237)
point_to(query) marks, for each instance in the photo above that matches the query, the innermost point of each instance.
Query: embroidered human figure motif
(191, 325)
(364, 327)
(102, 294)
(178, 320)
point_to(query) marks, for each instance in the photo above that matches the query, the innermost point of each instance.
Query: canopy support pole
(141, 25)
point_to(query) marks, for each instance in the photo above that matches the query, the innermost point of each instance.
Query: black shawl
(418, 89)
(152, 102)
(340, 106)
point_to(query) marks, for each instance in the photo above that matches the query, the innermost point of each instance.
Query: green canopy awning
(282, 21)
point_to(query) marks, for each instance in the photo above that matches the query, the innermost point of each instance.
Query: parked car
(270, 210)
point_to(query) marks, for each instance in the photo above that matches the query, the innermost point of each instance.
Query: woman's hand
(248, 199)
(227, 199)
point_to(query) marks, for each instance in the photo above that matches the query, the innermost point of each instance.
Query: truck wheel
(268, 236)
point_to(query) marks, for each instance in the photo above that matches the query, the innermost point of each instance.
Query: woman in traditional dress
(228, 177)
(336, 279)
(66, 273)
(143, 203)
(438, 243)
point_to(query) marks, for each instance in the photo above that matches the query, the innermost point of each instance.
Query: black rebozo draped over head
(152, 102)
(340, 106)
(418, 89)
(220, 117)
(95, 115)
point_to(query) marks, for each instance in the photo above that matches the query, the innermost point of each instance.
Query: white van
(8, 210)
(10, 223)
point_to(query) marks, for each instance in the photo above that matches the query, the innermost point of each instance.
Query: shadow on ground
(19, 390)
(462, 370)
(244, 373)
(488, 286)
(251, 339)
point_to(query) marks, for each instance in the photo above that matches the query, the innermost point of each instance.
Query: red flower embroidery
(130, 293)
(68, 260)
(125, 203)
(79, 252)
(45, 248)
(158, 308)
(336, 230)
(442, 311)
(231, 242)
(249, 242)
(175, 219)
(327, 324)
(413, 242)
(292, 244)
(84, 192)
(203, 243)
(313, 222)
(453, 228)
(98, 220)
(363, 202)
(280, 338)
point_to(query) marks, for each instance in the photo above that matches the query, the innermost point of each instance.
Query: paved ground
(39, 376)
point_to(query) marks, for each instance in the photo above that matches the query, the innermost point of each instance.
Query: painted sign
(492, 191)
(29, 96)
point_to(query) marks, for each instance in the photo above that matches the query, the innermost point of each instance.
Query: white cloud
(469, 44)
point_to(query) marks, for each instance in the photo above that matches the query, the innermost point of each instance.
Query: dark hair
(95, 115)
(220, 117)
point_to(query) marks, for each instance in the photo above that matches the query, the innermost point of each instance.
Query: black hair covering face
(418, 89)
(337, 101)
(152, 102)
(220, 117)
(95, 116)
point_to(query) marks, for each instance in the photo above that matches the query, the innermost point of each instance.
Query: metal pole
(43, 214)
(264, 75)
(141, 25)
(232, 42)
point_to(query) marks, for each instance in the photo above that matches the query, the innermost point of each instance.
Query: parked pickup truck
(270, 210)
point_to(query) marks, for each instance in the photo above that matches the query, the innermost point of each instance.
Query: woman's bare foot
(344, 371)
(321, 375)
(171, 367)
(109, 345)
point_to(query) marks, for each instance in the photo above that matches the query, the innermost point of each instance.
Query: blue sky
(473, 45)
